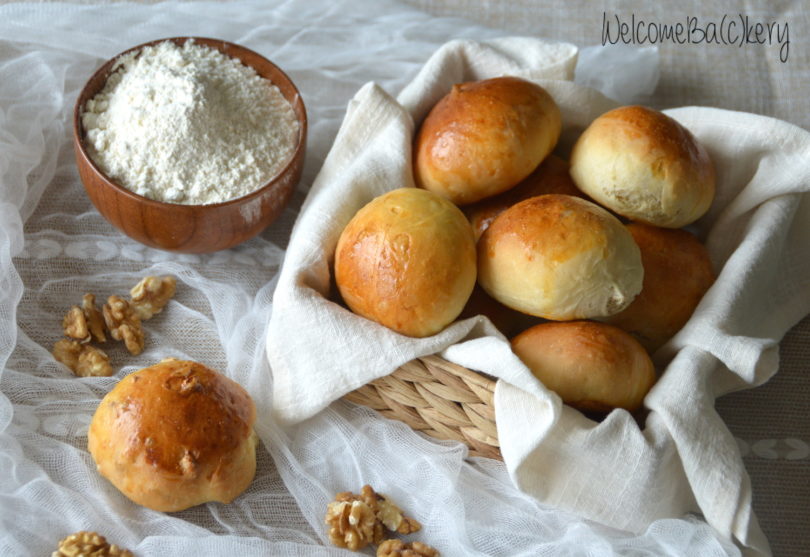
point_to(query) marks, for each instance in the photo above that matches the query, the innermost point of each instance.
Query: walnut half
(357, 520)
(124, 324)
(398, 548)
(88, 544)
(84, 323)
(82, 359)
(150, 295)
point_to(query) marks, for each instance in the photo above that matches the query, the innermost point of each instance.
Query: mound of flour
(187, 124)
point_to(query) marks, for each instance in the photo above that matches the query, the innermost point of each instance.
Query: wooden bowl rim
(294, 158)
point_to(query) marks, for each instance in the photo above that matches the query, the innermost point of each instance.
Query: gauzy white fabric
(682, 458)
(54, 247)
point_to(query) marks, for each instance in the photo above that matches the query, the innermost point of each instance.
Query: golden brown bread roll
(174, 435)
(550, 177)
(559, 257)
(485, 137)
(594, 367)
(645, 166)
(407, 261)
(677, 273)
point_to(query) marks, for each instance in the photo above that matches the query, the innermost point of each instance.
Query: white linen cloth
(54, 247)
(684, 458)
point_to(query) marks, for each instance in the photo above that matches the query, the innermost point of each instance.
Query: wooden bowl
(192, 228)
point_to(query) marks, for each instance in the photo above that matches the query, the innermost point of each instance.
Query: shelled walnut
(84, 323)
(398, 548)
(124, 324)
(88, 544)
(358, 520)
(82, 359)
(150, 295)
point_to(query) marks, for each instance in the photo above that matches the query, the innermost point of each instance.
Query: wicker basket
(440, 399)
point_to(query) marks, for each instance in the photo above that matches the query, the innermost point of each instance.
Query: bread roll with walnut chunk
(594, 367)
(174, 435)
(559, 257)
(484, 137)
(407, 261)
(677, 273)
(644, 165)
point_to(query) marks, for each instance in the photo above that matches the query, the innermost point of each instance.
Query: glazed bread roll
(645, 166)
(407, 261)
(550, 177)
(594, 367)
(561, 258)
(485, 137)
(175, 435)
(677, 273)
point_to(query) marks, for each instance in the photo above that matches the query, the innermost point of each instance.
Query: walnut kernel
(150, 295)
(95, 321)
(398, 548)
(74, 324)
(124, 324)
(353, 524)
(376, 512)
(82, 359)
(88, 544)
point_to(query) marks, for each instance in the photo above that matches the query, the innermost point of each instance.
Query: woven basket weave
(440, 399)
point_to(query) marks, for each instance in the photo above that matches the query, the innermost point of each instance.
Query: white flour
(188, 125)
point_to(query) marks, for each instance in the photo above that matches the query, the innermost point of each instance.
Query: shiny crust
(484, 137)
(175, 435)
(559, 257)
(594, 367)
(550, 177)
(645, 166)
(677, 273)
(407, 261)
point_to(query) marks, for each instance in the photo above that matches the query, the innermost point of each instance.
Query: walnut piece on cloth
(84, 323)
(88, 544)
(124, 324)
(398, 548)
(151, 294)
(683, 459)
(83, 359)
(358, 520)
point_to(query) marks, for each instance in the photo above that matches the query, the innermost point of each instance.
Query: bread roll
(175, 435)
(508, 321)
(550, 177)
(407, 261)
(645, 166)
(559, 257)
(485, 137)
(677, 273)
(594, 367)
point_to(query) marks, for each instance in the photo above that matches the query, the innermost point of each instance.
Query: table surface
(770, 422)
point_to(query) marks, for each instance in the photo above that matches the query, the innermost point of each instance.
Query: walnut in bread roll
(484, 137)
(594, 367)
(407, 261)
(559, 257)
(644, 165)
(175, 435)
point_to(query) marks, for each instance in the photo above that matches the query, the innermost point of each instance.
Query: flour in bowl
(188, 124)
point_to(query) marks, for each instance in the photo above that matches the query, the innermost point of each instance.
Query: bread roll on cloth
(559, 257)
(677, 273)
(643, 165)
(484, 137)
(174, 435)
(407, 261)
(594, 367)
